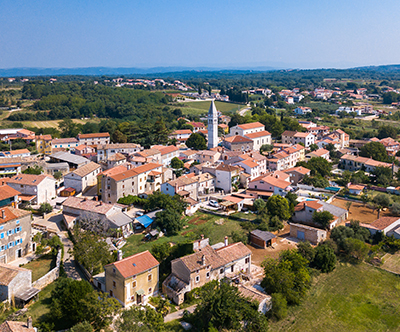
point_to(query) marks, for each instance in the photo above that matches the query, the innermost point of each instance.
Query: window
(10, 245)
(247, 260)
(197, 271)
(114, 284)
(197, 278)
(111, 293)
(232, 267)
(221, 271)
(17, 222)
(18, 229)
(133, 283)
(208, 274)
(149, 277)
(150, 290)
(2, 235)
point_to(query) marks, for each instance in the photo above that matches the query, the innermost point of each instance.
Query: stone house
(206, 264)
(106, 151)
(133, 280)
(14, 326)
(307, 233)
(14, 281)
(82, 177)
(238, 143)
(15, 233)
(66, 143)
(297, 174)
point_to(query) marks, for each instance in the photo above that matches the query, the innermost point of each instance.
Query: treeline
(76, 100)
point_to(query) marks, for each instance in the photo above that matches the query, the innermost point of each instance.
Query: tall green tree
(139, 319)
(323, 218)
(278, 206)
(196, 141)
(374, 150)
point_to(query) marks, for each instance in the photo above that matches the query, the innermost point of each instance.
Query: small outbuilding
(262, 239)
(307, 233)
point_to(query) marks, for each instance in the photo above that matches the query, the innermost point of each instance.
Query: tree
(288, 275)
(82, 327)
(176, 163)
(222, 307)
(325, 258)
(348, 205)
(170, 220)
(278, 206)
(323, 218)
(374, 150)
(319, 165)
(259, 204)
(139, 319)
(356, 248)
(36, 170)
(118, 137)
(313, 147)
(45, 208)
(90, 250)
(395, 209)
(158, 200)
(306, 250)
(292, 200)
(266, 148)
(387, 131)
(160, 251)
(382, 200)
(197, 142)
(68, 128)
(57, 175)
(383, 175)
(279, 306)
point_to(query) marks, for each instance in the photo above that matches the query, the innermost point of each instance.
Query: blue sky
(136, 33)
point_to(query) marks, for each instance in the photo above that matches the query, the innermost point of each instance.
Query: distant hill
(109, 71)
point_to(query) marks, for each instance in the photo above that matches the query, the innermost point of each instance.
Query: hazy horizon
(215, 34)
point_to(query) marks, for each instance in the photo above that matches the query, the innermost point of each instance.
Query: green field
(199, 223)
(41, 266)
(201, 107)
(351, 298)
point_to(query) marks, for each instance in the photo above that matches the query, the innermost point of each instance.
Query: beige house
(83, 177)
(94, 139)
(132, 280)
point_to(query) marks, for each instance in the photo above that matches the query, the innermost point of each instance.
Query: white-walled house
(247, 128)
(260, 138)
(302, 110)
(83, 177)
(36, 189)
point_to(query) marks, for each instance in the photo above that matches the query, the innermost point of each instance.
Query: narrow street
(179, 314)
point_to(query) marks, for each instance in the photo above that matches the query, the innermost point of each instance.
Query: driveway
(178, 314)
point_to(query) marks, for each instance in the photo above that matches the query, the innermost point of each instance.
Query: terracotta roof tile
(7, 192)
(383, 222)
(135, 264)
(252, 125)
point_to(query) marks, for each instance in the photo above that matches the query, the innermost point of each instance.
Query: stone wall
(50, 276)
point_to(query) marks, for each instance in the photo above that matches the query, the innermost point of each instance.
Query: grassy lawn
(351, 298)
(201, 107)
(391, 262)
(214, 227)
(43, 305)
(41, 266)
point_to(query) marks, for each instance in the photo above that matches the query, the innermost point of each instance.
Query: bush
(279, 306)
(45, 208)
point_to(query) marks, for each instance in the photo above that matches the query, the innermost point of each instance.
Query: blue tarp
(145, 220)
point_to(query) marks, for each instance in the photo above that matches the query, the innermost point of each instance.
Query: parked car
(213, 203)
(139, 213)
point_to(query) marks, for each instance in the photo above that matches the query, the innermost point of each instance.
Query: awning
(140, 292)
(27, 294)
(145, 221)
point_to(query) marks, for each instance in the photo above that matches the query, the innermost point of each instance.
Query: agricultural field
(201, 107)
(213, 227)
(43, 124)
(351, 298)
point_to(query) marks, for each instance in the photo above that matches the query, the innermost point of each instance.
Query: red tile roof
(250, 125)
(237, 139)
(383, 222)
(7, 192)
(135, 264)
(94, 135)
(258, 134)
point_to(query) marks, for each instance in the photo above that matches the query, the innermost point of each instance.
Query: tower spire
(212, 126)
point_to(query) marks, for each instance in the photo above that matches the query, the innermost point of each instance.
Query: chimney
(226, 241)
(3, 214)
(203, 260)
(119, 255)
(96, 198)
(29, 323)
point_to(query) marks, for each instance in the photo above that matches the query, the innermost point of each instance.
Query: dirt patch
(259, 255)
(200, 222)
(220, 221)
(193, 221)
(360, 212)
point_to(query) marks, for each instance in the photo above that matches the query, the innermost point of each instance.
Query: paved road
(55, 223)
(243, 111)
(178, 314)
